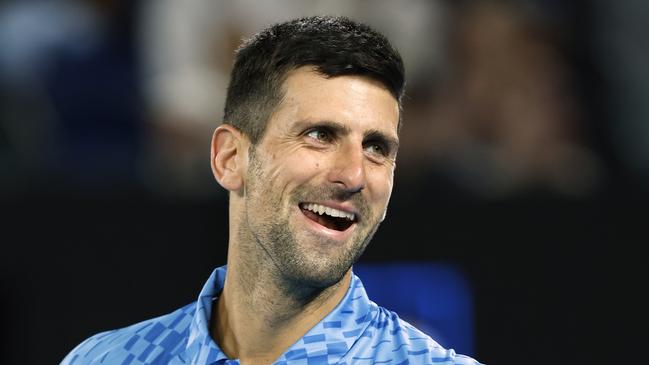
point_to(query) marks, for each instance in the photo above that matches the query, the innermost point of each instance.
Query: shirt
(357, 331)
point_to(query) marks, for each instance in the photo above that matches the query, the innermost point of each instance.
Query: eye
(319, 134)
(376, 148)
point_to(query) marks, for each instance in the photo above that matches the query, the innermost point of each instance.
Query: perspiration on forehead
(334, 46)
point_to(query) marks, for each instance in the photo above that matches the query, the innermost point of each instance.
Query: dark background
(110, 215)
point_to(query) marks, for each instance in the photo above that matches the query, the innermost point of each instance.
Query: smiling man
(307, 152)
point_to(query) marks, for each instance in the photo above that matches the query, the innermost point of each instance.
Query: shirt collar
(201, 348)
(333, 336)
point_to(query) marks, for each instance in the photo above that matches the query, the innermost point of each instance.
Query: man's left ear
(227, 156)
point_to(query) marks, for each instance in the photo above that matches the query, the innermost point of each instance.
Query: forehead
(356, 101)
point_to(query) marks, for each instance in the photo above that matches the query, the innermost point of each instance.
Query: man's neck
(256, 320)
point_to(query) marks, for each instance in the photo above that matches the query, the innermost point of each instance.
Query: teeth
(321, 209)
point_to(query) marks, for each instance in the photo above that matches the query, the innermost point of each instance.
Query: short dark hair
(334, 46)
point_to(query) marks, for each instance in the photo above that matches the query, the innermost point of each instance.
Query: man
(307, 152)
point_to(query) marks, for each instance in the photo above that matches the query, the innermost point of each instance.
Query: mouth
(328, 217)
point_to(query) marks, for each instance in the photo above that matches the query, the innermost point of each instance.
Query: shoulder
(150, 341)
(392, 340)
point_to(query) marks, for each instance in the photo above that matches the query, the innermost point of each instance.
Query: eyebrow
(339, 128)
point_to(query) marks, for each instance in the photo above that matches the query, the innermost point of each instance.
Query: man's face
(319, 181)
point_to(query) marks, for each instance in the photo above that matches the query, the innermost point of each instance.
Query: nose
(348, 169)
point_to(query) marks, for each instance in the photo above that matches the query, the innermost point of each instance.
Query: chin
(320, 276)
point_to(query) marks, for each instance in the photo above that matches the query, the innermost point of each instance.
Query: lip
(331, 233)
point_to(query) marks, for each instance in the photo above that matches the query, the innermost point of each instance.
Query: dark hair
(334, 46)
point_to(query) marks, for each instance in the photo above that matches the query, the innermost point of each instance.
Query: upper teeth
(321, 209)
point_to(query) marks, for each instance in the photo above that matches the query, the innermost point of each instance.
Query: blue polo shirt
(357, 331)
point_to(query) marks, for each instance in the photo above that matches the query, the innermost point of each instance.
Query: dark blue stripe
(131, 342)
(296, 354)
(364, 318)
(143, 328)
(317, 360)
(332, 324)
(74, 359)
(336, 348)
(381, 324)
(154, 332)
(440, 359)
(93, 347)
(146, 352)
(175, 322)
(314, 338)
(352, 333)
(399, 348)
(420, 352)
(367, 334)
(171, 340)
(213, 354)
(382, 361)
(128, 359)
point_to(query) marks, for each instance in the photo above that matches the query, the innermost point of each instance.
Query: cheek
(305, 166)
(294, 169)
(380, 182)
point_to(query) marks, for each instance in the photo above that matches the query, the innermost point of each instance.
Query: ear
(229, 149)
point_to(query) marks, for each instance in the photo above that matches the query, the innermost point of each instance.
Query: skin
(331, 141)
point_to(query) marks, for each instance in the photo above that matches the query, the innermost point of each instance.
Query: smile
(328, 217)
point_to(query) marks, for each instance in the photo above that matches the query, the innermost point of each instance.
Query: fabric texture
(357, 331)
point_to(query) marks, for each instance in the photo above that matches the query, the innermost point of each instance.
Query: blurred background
(523, 171)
